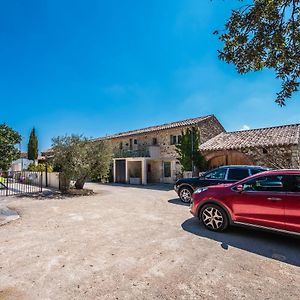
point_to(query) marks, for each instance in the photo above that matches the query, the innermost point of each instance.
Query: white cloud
(245, 127)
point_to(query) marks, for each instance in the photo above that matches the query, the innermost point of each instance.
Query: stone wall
(208, 129)
(276, 157)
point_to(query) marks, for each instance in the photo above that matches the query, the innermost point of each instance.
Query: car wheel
(213, 217)
(185, 194)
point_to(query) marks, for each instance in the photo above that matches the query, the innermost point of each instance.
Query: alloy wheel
(212, 218)
(186, 195)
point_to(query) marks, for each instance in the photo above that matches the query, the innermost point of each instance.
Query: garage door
(121, 171)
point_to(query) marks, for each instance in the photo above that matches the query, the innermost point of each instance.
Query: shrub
(39, 168)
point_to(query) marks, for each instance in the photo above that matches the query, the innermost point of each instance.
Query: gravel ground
(137, 243)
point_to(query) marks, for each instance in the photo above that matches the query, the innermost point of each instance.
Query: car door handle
(274, 199)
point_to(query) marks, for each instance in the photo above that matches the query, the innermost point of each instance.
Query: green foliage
(188, 150)
(40, 168)
(32, 146)
(78, 159)
(8, 152)
(100, 153)
(265, 34)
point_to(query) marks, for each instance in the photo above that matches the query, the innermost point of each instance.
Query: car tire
(185, 194)
(214, 218)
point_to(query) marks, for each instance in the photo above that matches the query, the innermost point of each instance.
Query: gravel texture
(137, 243)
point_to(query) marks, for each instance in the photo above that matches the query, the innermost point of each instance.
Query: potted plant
(135, 178)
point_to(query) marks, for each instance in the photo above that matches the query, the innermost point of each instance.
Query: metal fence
(20, 183)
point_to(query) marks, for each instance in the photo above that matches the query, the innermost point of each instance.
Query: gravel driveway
(138, 243)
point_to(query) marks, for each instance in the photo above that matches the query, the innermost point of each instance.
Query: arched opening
(229, 157)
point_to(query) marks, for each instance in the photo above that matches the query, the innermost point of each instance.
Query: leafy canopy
(8, 151)
(77, 158)
(40, 168)
(188, 150)
(32, 146)
(265, 34)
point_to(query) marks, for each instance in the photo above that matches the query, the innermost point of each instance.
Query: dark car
(268, 200)
(226, 174)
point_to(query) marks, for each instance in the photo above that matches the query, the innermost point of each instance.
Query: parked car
(226, 174)
(268, 200)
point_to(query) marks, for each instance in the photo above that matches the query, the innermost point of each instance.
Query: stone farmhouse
(148, 155)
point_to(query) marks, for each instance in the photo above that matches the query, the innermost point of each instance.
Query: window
(135, 141)
(121, 145)
(173, 139)
(178, 139)
(216, 174)
(266, 184)
(167, 169)
(255, 171)
(294, 184)
(130, 144)
(154, 141)
(237, 174)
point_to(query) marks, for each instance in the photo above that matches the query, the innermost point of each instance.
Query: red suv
(268, 200)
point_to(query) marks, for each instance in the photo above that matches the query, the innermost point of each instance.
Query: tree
(40, 168)
(101, 152)
(265, 34)
(9, 138)
(188, 150)
(32, 151)
(78, 159)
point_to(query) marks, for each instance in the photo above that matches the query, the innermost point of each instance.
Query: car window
(275, 183)
(237, 174)
(255, 171)
(295, 184)
(216, 174)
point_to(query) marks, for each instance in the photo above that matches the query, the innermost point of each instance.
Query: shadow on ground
(177, 201)
(149, 186)
(284, 248)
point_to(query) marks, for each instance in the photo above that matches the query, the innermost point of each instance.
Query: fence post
(41, 182)
(46, 179)
(59, 181)
(7, 184)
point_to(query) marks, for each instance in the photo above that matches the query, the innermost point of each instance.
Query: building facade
(275, 147)
(149, 155)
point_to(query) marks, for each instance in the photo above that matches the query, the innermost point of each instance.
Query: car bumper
(176, 189)
(193, 209)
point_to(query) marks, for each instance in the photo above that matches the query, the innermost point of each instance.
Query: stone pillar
(126, 171)
(114, 170)
(144, 171)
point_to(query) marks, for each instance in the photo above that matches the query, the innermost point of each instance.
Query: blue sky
(101, 67)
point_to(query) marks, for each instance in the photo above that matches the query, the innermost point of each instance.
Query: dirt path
(134, 243)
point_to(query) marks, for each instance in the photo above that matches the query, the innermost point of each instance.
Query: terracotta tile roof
(177, 124)
(262, 137)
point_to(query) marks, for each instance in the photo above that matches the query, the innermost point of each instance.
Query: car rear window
(237, 174)
(295, 183)
(255, 171)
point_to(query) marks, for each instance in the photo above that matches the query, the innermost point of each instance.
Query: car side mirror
(240, 188)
